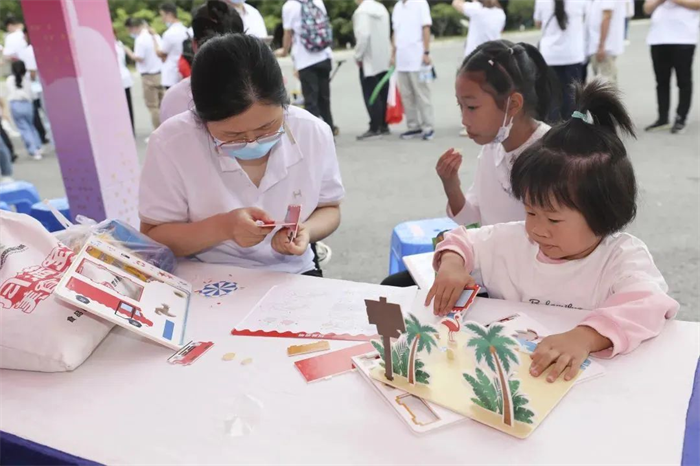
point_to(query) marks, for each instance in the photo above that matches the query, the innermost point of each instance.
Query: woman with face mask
(214, 175)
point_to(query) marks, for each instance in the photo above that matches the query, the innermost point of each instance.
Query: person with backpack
(308, 35)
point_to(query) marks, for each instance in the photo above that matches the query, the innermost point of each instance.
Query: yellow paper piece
(296, 350)
(246, 361)
(229, 356)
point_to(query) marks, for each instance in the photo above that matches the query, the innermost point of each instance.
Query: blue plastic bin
(415, 237)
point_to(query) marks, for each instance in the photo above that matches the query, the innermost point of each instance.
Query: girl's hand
(448, 166)
(566, 352)
(451, 279)
(242, 229)
(281, 243)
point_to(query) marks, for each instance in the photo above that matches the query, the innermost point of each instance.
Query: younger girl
(503, 92)
(21, 98)
(579, 191)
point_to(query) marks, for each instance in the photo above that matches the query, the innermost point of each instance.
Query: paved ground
(390, 181)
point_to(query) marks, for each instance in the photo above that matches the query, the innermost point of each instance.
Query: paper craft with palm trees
(483, 378)
(418, 338)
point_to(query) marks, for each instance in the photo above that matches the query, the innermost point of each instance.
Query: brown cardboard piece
(390, 324)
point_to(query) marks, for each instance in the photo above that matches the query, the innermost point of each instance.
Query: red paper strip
(330, 364)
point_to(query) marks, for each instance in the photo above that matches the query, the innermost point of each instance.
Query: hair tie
(491, 62)
(585, 117)
(511, 50)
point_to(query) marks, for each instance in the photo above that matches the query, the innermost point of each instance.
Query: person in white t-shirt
(171, 45)
(411, 52)
(314, 66)
(486, 21)
(242, 156)
(253, 22)
(211, 19)
(21, 99)
(606, 36)
(29, 59)
(563, 46)
(673, 36)
(148, 64)
(15, 41)
(579, 191)
(125, 74)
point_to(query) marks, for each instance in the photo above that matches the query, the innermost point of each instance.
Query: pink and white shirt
(618, 281)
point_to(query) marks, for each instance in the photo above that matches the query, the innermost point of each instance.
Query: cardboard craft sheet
(464, 369)
(419, 415)
(114, 284)
(327, 310)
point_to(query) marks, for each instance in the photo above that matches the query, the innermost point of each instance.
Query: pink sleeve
(456, 241)
(628, 319)
(637, 306)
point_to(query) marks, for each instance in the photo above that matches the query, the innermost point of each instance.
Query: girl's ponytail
(546, 83)
(602, 100)
(560, 14)
(18, 71)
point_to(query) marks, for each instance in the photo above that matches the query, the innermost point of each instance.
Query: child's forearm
(455, 197)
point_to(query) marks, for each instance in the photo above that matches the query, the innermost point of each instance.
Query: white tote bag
(37, 331)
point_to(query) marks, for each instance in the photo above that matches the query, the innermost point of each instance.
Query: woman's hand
(451, 280)
(281, 243)
(241, 226)
(566, 352)
(448, 167)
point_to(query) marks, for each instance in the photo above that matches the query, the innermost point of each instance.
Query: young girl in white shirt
(503, 91)
(579, 191)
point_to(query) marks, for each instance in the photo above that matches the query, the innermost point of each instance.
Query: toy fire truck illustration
(87, 293)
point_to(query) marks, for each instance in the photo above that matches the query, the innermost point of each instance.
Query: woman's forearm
(323, 222)
(186, 239)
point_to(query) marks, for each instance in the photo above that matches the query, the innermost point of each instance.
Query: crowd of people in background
(575, 36)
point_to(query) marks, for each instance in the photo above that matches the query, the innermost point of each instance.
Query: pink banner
(86, 104)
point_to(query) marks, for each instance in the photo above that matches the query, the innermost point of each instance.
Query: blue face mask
(252, 150)
(134, 36)
(168, 24)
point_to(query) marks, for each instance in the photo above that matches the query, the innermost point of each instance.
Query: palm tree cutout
(497, 351)
(420, 338)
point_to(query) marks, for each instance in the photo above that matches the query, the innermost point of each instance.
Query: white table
(126, 405)
(420, 266)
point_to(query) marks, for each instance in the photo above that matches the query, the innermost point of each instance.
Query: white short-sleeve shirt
(29, 59)
(674, 24)
(489, 200)
(562, 47)
(485, 24)
(127, 80)
(143, 48)
(184, 179)
(408, 20)
(615, 41)
(291, 20)
(15, 42)
(253, 22)
(172, 45)
(176, 100)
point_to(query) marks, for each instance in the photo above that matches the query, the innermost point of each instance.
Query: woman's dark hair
(560, 14)
(504, 67)
(232, 72)
(134, 22)
(215, 17)
(19, 70)
(583, 165)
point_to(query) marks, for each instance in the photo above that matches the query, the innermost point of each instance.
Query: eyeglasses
(237, 145)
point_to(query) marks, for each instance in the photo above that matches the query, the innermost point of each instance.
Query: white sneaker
(6, 179)
(37, 155)
(323, 253)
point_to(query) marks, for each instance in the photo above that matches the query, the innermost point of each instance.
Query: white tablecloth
(127, 405)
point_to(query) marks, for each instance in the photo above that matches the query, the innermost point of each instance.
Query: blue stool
(415, 237)
(41, 212)
(20, 194)
(4, 206)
